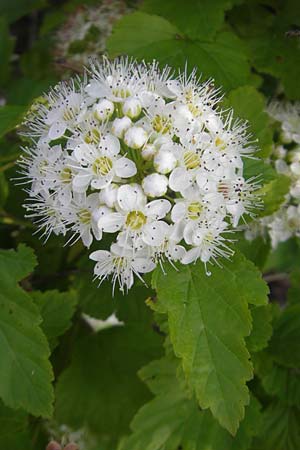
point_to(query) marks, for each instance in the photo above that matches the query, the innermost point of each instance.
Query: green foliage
(215, 358)
(230, 375)
(25, 372)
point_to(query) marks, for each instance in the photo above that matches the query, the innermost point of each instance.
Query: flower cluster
(142, 155)
(285, 158)
(84, 34)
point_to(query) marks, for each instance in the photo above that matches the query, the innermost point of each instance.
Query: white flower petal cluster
(285, 158)
(142, 155)
(85, 32)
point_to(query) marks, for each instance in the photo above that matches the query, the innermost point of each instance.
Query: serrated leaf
(261, 328)
(214, 356)
(222, 58)
(173, 420)
(249, 104)
(198, 19)
(25, 372)
(101, 389)
(285, 342)
(56, 309)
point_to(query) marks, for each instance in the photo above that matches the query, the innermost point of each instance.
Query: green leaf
(56, 309)
(249, 104)
(173, 420)
(294, 290)
(25, 372)
(285, 342)
(100, 389)
(3, 189)
(281, 428)
(273, 194)
(6, 48)
(14, 433)
(214, 356)
(256, 250)
(261, 328)
(10, 117)
(222, 58)
(197, 19)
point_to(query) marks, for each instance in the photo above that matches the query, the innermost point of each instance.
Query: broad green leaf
(196, 18)
(173, 420)
(273, 194)
(100, 389)
(285, 342)
(6, 48)
(14, 434)
(25, 372)
(261, 328)
(56, 309)
(214, 356)
(283, 383)
(222, 58)
(281, 428)
(249, 104)
(10, 117)
(256, 250)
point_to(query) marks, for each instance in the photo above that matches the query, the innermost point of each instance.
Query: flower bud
(135, 137)
(148, 151)
(120, 126)
(164, 161)
(53, 445)
(132, 108)
(103, 110)
(155, 185)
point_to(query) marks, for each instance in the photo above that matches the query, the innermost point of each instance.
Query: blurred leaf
(6, 48)
(23, 91)
(14, 433)
(256, 250)
(273, 194)
(294, 290)
(261, 328)
(3, 189)
(14, 9)
(222, 58)
(25, 372)
(199, 19)
(214, 357)
(249, 104)
(284, 384)
(56, 309)
(100, 388)
(285, 342)
(10, 117)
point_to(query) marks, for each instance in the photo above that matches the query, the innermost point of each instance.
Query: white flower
(155, 185)
(137, 217)
(144, 156)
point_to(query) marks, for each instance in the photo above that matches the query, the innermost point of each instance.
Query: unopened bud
(136, 137)
(53, 445)
(103, 110)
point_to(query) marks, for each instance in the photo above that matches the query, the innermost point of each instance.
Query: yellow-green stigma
(161, 124)
(84, 216)
(92, 137)
(135, 220)
(220, 143)
(121, 92)
(194, 210)
(102, 166)
(66, 175)
(191, 160)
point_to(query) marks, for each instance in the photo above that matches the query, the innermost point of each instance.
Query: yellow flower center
(121, 92)
(161, 124)
(84, 216)
(191, 160)
(70, 113)
(102, 166)
(194, 210)
(66, 175)
(135, 220)
(220, 143)
(92, 137)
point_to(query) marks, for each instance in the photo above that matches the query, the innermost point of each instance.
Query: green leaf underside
(25, 372)
(173, 420)
(222, 57)
(208, 320)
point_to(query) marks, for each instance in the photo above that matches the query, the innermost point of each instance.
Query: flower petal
(155, 233)
(111, 222)
(125, 168)
(131, 197)
(158, 208)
